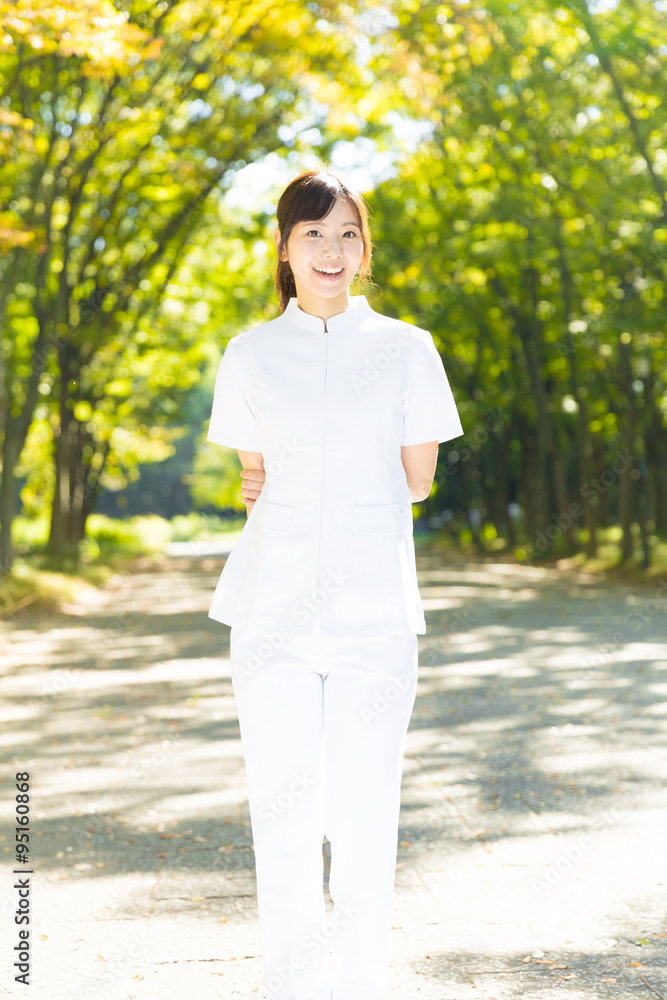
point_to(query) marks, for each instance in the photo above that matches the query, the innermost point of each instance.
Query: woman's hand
(253, 476)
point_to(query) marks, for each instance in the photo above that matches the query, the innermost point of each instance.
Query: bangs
(317, 197)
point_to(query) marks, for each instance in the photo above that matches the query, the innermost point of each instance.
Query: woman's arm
(419, 461)
(253, 475)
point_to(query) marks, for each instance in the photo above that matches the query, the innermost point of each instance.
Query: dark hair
(312, 195)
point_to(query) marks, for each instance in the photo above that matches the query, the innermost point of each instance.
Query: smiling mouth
(329, 272)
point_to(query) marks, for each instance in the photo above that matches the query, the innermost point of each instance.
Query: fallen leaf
(612, 979)
(637, 965)
(526, 959)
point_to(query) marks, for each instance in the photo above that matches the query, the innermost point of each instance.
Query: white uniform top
(327, 548)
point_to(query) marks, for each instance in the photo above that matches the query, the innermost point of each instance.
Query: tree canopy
(526, 229)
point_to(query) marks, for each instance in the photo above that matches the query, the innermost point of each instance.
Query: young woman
(336, 412)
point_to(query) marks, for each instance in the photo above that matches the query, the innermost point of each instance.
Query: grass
(606, 563)
(111, 546)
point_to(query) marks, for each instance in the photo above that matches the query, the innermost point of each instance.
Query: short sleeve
(233, 423)
(431, 413)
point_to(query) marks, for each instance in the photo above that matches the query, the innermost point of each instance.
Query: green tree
(127, 156)
(528, 234)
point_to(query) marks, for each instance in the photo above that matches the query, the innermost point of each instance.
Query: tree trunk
(626, 493)
(655, 450)
(585, 466)
(496, 498)
(598, 487)
(77, 477)
(62, 539)
(549, 517)
(583, 446)
(89, 477)
(11, 452)
(16, 432)
(531, 484)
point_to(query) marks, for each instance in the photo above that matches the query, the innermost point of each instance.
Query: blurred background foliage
(514, 159)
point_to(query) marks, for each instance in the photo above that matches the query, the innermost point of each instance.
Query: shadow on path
(533, 816)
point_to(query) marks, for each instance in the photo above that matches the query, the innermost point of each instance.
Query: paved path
(533, 840)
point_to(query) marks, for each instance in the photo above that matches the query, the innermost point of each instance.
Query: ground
(532, 855)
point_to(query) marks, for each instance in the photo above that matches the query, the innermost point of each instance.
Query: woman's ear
(276, 240)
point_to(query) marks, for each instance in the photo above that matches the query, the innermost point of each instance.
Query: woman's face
(332, 244)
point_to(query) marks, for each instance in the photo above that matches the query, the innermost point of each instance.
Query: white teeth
(327, 271)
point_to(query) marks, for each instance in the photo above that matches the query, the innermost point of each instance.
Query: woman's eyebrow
(320, 222)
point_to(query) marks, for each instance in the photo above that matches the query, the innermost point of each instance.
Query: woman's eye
(350, 232)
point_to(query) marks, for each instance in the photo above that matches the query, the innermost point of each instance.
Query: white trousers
(323, 724)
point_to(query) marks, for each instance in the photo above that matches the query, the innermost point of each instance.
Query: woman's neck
(324, 308)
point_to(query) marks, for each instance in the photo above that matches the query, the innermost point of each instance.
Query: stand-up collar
(354, 316)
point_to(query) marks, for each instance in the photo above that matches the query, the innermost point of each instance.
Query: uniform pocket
(275, 516)
(381, 519)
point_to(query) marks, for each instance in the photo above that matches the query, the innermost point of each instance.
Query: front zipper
(324, 410)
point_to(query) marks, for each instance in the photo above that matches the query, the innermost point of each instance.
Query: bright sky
(360, 163)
